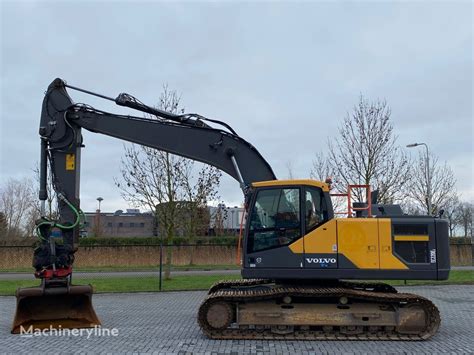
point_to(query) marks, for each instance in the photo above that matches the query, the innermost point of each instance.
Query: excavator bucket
(54, 308)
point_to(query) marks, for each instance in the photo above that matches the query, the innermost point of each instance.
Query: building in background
(131, 223)
(225, 220)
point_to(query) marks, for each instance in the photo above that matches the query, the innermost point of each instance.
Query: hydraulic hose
(77, 212)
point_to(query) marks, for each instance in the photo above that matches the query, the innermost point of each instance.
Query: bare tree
(441, 180)
(16, 202)
(450, 208)
(3, 226)
(198, 192)
(465, 218)
(289, 169)
(365, 152)
(218, 218)
(323, 170)
(163, 182)
(411, 208)
(33, 214)
(51, 205)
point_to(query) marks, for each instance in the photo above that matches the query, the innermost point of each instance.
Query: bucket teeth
(55, 307)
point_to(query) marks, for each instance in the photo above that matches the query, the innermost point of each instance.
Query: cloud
(282, 74)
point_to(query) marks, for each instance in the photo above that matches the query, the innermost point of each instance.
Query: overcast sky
(282, 74)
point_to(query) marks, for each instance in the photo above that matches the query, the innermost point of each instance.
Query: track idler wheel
(219, 315)
(412, 319)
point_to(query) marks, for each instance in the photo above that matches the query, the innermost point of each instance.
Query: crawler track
(230, 294)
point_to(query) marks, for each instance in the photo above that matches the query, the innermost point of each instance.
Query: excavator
(304, 272)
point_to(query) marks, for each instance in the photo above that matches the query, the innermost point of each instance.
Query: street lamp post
(232, 221)
(100, 199)
(98, 227)
(428, 177)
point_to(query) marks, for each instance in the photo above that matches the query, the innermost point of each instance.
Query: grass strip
(135, 268)
(199, 282)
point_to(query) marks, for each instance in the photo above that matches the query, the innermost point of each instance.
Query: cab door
(274, 223)
(320, 241)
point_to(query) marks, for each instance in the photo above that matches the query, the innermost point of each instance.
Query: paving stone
(165, 323)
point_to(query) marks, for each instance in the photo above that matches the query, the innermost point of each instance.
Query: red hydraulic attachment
(350, 208)
(50, 273)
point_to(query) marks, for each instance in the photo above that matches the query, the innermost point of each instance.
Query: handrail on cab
(350, 208)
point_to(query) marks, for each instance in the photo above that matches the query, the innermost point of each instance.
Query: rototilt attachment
(54, 306)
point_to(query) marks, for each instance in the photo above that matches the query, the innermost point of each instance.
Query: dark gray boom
(187, 135)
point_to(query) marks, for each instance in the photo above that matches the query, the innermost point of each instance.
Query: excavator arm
(185, 135)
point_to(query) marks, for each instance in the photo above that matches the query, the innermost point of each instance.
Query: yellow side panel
(70, 161)
(358, 241)
(323, 239)
(388, 261)
(298, 246)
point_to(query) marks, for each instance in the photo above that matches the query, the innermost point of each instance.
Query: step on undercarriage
(262, 309)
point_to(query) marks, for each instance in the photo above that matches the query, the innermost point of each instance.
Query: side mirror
(440, 214)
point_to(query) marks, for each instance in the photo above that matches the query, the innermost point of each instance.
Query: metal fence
(133, 257)
(141, 267)
(127, 256)
(145, 263)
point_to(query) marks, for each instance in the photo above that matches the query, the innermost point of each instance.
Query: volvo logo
(321, 260)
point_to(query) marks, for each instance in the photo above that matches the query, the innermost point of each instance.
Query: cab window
(274, 219)
(316, 211)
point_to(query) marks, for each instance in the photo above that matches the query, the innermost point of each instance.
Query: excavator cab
(280, 214)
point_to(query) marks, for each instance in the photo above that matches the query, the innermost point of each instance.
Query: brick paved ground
(166, 323)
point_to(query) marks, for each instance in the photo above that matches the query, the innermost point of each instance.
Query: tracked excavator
(303, 270)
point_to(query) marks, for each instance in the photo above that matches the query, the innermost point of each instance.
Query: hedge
(460, 240)
(89, 241)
